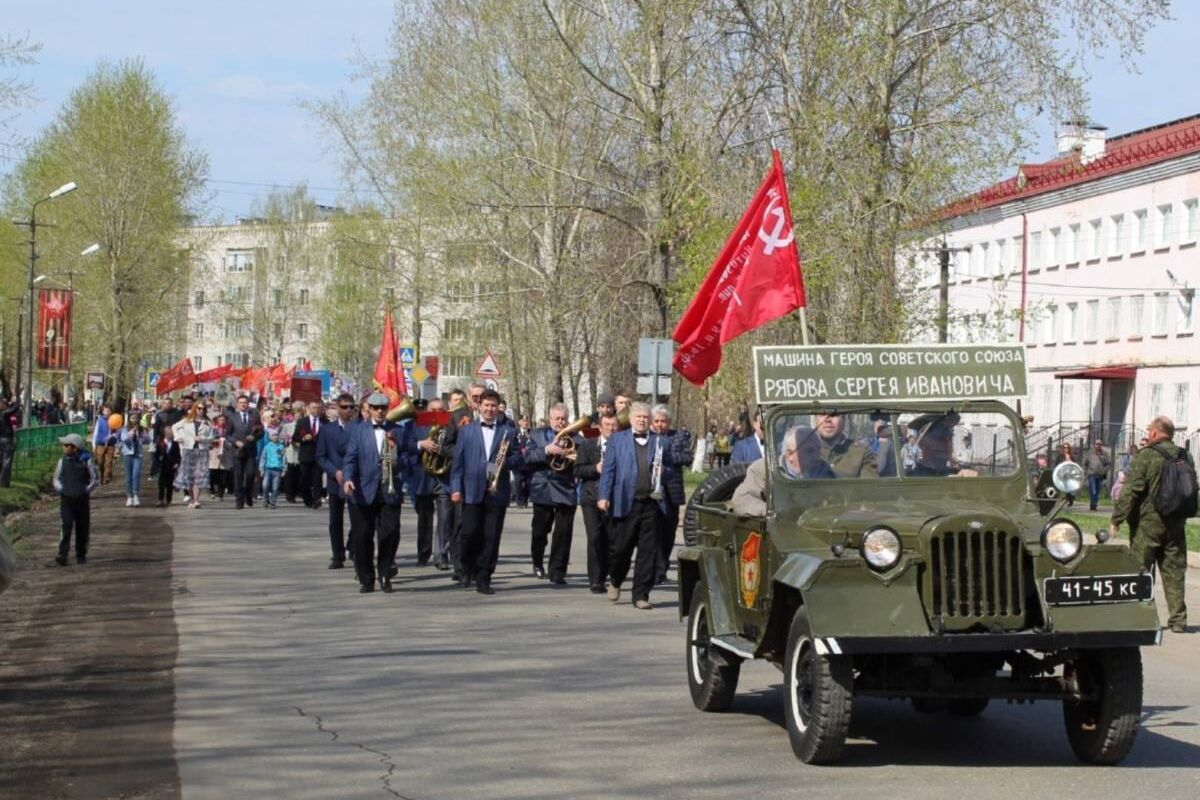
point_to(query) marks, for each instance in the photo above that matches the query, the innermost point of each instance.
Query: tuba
(563, 439)
(405, 410)
(437, 464)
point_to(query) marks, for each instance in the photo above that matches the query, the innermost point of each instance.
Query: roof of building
(1123, 153)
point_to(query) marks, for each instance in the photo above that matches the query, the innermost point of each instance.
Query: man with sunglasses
(849, 459)
(331, 451)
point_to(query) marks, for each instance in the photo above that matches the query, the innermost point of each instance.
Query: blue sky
(238, 71)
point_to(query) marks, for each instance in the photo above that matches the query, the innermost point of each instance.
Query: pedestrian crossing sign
(488, 368)
(408, 356)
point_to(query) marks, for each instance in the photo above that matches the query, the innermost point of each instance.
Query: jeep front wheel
(818, 690)
(1102, 726)
(712, 673)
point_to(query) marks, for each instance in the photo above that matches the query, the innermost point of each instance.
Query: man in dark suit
(626, 492)
(331, 452)
(243, 429)
(475, 466)
(677, 449)
(589, 464)
(553, 495)
(308, 428)
(423, 488)
(376, 492)
(749, 449)
(451, 523)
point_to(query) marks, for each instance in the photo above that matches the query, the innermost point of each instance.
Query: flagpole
(802, 311)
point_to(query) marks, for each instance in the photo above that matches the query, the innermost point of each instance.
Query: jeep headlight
(881, 548)
(1062, 540)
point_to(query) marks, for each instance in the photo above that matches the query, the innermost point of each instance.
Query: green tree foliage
(117, 136)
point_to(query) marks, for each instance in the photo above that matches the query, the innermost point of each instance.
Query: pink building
(1091, 259)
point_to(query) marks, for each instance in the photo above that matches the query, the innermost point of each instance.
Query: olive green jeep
(896, 548)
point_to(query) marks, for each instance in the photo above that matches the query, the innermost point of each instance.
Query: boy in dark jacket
(168, 456)
(75, 478)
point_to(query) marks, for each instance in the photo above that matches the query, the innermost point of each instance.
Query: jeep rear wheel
(712, 673)
(818, 694)
(719, 486)
(1101, 728)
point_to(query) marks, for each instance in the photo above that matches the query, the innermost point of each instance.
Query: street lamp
(66, 188)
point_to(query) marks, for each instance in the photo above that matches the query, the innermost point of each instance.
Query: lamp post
(66, 188)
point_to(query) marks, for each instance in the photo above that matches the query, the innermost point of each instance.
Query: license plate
(1098, 589)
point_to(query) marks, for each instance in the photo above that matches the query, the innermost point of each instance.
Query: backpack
(1177, 487)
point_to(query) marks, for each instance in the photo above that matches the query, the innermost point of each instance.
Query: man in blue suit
(375, 493)
(749, 449)
(475, 463)
(554, 498)
(631, 492)
(423, 487)
(331, 452)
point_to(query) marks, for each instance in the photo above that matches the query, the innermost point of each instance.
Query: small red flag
(389, 377)
(176, 377)
(755, 279)
(215, 374)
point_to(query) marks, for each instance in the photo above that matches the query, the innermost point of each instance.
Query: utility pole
(943, 253)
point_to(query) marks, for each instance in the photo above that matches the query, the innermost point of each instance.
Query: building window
(1091, 321)
(236, 329)
(1156, 399)
(198, 299)
(303, 298)
(1073, 243)
(1161, 311)
(389, 295)
(1071, 323)
(277, 298)
(1184, 324)
(197, 330)
(454, 330)
(1047, 409)
(1067, 401)
(978, 260)
(1035, 250)
(456, 365)
(1096, 232)
(1018, 251)
(1050, 325)
(239, 260)
(1165, 231)
(1054, 247)
(1136, 305)
(1191, 220)
(1139, 231)
(1000, 262)
(235, 294)
(198, 363)
(1112, 319)
(1180, 417)
(302, 331)
(277, 331)
(1116, 235)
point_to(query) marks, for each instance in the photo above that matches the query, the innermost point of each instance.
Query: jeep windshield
(895, 444)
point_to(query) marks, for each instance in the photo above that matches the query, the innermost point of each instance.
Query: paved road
(291, 684)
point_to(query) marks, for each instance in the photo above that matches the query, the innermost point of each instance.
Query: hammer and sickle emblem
(775, 239)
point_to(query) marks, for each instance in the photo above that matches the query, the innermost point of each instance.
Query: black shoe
(422, 562)
(386, 585)
(538, 572)
(335, 564)
(392, 571)
(61, 560)
(366, 588)
(485, 588)
(80, 559)
(441, 566)
(596, 589)
(239, 504)
(558, 581)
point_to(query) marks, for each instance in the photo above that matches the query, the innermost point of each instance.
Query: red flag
(215, 374)
(54, 329)
(306, 366)
(255, 379)
(389, 376)
(754, 280)
(179, 375)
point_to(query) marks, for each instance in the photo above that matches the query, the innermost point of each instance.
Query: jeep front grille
(976, 577)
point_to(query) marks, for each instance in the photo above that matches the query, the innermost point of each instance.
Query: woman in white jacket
(194, 435)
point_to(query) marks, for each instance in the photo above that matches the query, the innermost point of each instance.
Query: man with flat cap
(935, 443)
(373, 475)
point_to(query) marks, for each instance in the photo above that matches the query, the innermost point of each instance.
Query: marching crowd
(461, 464)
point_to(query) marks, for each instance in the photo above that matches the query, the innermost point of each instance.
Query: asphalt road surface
(291, 684)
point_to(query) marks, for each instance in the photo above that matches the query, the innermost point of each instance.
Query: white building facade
(1091, 260)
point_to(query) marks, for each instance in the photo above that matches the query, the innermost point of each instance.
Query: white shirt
(380, 433)
(489, 436)
(313, 425)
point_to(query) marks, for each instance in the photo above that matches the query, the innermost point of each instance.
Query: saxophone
(496, 468)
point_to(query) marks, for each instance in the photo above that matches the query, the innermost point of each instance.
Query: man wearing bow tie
(476, 462)
(627, 492)
(373, 480)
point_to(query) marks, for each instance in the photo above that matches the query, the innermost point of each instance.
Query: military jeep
(903, 553)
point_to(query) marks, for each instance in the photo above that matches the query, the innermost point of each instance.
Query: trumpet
(496, 468)
(563, 439)
(656, 472)
(437, 464)
(387, 462)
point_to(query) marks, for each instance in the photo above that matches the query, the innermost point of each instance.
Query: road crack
(385, 759)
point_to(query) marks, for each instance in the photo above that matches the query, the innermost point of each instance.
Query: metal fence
(36, 449)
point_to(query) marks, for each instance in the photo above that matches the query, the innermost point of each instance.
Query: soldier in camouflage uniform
(1153, 539)
(849, 459)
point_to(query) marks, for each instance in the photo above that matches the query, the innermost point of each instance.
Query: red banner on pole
(755, 279)
(54, 330)
(389, 373)
(177, 377)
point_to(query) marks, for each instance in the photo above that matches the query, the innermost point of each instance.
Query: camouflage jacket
(1136, 504)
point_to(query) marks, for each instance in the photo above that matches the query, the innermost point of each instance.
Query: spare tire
(718, 486)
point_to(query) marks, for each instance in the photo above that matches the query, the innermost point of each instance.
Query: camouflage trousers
(1166, 547)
